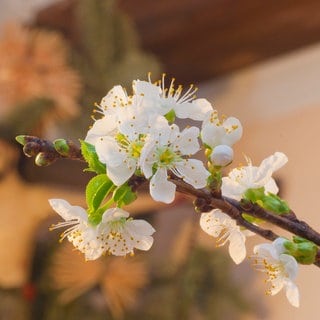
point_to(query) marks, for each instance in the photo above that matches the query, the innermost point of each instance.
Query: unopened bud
(61, 146)
(44, 159)
(222, 155)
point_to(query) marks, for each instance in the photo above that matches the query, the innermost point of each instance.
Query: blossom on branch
(219, 136)
(281, 269)
(161, 100)
(247, 177)
(219, 225)
(168, 149)
(116, 234)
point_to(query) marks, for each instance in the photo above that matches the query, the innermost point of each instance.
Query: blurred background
(256, 60)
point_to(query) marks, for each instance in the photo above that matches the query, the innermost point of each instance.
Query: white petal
(290, 264)
(196, 110)
(141, 227)
(100, 128)
(237, 248)
(233, 133)
(187, 141)
(193, 172)
(109, 151)
(210, 224)
(270, 165)
(292, 294)
(114, 100)
(147, 157)
(160, 188)
(212, 135)
(140, 232)
(271, 186)
(120, 174)
(67, 211)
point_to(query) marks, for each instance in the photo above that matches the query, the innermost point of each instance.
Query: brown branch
(46, 152)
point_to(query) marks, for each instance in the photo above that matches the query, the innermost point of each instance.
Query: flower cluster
(136, 139)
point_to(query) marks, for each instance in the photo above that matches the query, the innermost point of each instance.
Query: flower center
(117, 226)
(167, 157)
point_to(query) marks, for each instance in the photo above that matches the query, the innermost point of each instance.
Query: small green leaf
(254, 195)
(170, 116)
(123, 195)
(89, 153)
(97, 190)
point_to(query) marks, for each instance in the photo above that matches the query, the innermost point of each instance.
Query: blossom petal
(292, 293)
(187, 141)
(120, 174)
(196, 109)
(102, 127)
(67, 211)
(270, 165)
(160, 188)
(237, 248)
(210, 224)
(109, 152)
(193, 172)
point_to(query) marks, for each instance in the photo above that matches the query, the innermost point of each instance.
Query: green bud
(304, 251)
(275, 204)
(61, 146)
(21, 139)
(43, 159)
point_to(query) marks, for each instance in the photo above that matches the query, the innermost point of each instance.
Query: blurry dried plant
(119, 278)
(33, 65)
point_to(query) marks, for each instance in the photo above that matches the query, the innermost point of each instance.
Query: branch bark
(206, 199)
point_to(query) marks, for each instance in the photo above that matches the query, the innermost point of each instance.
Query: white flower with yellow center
(114, 105)
(121, 152)
(166, 149)
(280, 268)
(116, 234)
(121, 234)
(157, 98)
(83, 235)
(219, 225)
(241, 179)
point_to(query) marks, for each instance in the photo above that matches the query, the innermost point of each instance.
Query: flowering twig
(46, 152)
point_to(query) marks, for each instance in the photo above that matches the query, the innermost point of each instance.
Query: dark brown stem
(47, 152)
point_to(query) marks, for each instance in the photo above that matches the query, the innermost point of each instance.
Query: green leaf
(97, 190)
(170, 116)
(123, 195)
(89, 153)
(254, 195)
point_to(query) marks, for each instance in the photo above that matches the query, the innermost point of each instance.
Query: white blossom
(219, 225)
(243, 178)
(216, 132)
(157, 98)
(121, 234)
(111, 107)
(280, 268)
(80, 233)
(116, 234)
(168, 149)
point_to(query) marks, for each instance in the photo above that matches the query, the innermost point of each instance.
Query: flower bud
(222, 155)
